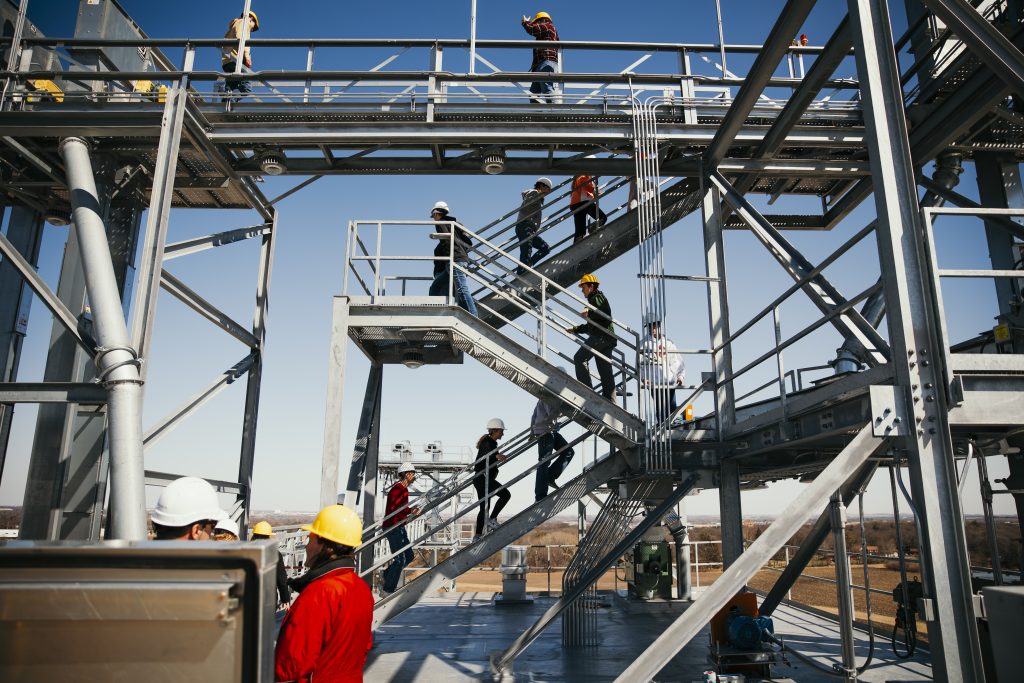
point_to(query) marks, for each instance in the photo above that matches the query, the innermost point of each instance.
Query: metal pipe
(844, 591)
(117, 364)
(990, 532)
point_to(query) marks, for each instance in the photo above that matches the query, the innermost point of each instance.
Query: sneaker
(492, 524)
(383, 593)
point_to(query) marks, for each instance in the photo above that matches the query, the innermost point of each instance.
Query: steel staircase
(614, 465)
(374, 324)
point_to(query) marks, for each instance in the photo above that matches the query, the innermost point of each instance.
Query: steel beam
(60, 311)
(335, 401)
(371, 476)
(791, 18)
(164, 172)
(820, 291)
(220, 239)
(984, 40)
(707, 604)
(730, 511)
(186, 295)
(808, 549)
(247, 450)
(163, 426)
(86, 393)
(718, 307)
(24, 236)
(357, 469)
(500, 663)
(918, 350)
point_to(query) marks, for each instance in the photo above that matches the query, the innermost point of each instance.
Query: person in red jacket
(326, 634)
(396, 514)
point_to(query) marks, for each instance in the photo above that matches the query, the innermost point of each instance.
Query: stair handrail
(459, 514)
(432, 502)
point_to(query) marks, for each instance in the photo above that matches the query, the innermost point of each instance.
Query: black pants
(581, 211)
(526, 233)
(604, 346)
(480, 484)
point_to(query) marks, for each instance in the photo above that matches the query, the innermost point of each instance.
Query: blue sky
(447, 403)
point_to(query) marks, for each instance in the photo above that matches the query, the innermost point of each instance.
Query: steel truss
(952, 102)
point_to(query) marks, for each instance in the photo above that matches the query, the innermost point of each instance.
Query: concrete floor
(450, 638)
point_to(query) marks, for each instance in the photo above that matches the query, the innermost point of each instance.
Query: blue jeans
(397, 538)
(548, 472)
(240, 87)
(439, 287)
(526, 233)
(543, 87)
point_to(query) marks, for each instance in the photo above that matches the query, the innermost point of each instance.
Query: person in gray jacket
(544, 425)
(528, 225)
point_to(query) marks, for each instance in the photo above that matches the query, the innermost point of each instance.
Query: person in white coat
(661, 368)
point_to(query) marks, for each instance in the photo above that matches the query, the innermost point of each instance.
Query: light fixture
(57, 215)
(494, 164)
(272, 163)
(412, 359)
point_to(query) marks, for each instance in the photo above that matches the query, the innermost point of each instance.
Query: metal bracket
(979, 606)
(926, 608)
(956, 391)
(888, 411)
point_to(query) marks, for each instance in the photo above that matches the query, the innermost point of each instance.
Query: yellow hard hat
(339, 524)
(263, 529)
(542, 15)
(255, 19)
(589, 278)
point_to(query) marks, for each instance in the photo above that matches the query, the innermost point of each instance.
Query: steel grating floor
(450, 638)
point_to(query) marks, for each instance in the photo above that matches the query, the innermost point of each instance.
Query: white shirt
(659, 363)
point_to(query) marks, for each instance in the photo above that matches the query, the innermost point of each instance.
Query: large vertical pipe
(844, 587)
(117, 364)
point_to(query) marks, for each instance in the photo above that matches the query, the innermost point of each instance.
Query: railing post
(778, 360)
(789, 593)
(309, 67)
(435, 94)
(696, 560)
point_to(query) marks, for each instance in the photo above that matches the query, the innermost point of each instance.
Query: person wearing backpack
(445, 251)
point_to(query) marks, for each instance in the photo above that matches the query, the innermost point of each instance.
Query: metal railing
(552, 307)
(306, 71)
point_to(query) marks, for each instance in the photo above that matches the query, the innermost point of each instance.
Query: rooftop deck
(450, 637)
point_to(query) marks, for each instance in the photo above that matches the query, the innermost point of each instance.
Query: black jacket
(442, 250)
(490, 463)
(599, 324)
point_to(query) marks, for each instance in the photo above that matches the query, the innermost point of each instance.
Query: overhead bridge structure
(108, 126)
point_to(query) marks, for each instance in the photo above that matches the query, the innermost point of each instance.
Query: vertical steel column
(335, 402)
(370, 482)
(917, 351)
(250, 415)
(718, 307)
(116, 361)
(25, 232)
(366, 417)
(730, 511)
(844, 587)
(998, 187)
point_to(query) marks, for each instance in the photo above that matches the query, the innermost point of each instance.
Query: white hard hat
(406, 467)
(228, 525)
(440, 206)
(186, 501)
(495, 423)
(544, 181)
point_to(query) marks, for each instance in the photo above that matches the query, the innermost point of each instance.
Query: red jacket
(398, 498)
(326, 634)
